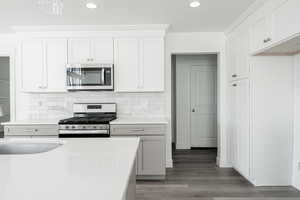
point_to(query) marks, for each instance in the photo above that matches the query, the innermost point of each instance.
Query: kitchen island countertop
(81, 169)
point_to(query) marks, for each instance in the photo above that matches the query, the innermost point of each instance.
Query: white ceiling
(212, 15)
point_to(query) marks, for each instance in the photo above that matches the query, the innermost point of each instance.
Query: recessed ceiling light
(194, 3)
(91, 4)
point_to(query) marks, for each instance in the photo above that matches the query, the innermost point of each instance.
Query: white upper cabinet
(32, 59)
(139, 64)
(277, 30)
(285, 20)
(102, 50)
(56, 60)
(152, 66)
(238, 56)
(127, 65)
(79, 51)
(261, 34)
(95, 50)
(43, 65)
(242, 55)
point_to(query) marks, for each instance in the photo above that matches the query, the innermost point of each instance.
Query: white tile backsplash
(59, 106)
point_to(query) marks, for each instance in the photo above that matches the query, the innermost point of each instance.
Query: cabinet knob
(267, 40)
(234, 75)
(193, 110)
(234, 85)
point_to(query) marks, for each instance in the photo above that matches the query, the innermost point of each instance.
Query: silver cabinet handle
(267, 40)
(138, 130)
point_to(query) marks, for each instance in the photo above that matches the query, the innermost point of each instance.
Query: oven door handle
(83, 131)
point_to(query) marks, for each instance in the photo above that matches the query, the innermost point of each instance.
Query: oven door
(90, 77)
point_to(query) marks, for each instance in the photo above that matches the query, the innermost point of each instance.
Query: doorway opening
(195, 104)
(4, 92)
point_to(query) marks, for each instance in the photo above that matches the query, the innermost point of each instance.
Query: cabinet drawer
(137, 130)
(45, 130)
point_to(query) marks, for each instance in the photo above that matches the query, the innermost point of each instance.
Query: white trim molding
(251, 9)
(138, 27)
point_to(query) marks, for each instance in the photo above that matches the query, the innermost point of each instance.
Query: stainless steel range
(90, 120)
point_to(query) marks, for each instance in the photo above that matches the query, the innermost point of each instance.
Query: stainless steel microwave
(90, 76)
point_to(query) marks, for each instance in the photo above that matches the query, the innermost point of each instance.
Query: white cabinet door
(79, 51)
(152, 64)
(32, 52)
(127, 68)
(102, 50)
(242, 118)
(56, 60)
(242, 55)
(285, 20)
(261, 34)
(151, 156)
(231, 63)
(231, 128)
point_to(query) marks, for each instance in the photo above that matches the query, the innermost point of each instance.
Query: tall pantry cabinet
(260, 101)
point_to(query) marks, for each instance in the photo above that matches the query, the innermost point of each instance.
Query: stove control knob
(95, 127)
(73, 127)
(84, 127)
(67, 127)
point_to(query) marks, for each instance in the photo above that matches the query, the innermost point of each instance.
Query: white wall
(195, 43)
(296, 170)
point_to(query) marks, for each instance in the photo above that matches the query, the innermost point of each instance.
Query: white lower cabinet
(261, 122)
(31, 130)
(150, 162)
(241, 129)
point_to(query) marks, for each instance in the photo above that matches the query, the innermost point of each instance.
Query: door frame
(11, 54)
(221, 140)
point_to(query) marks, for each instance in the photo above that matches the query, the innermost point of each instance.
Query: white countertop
(31, 122)
(136, 120)
(81, 169)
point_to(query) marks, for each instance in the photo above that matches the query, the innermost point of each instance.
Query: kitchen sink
(23, 147)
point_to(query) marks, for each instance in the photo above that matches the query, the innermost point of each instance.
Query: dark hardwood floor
(196, 177)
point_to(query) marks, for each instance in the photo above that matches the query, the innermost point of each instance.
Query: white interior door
(203, 106)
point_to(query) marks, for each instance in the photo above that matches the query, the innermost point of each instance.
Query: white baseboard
(224, 164)
(297, 187)
(169, 163)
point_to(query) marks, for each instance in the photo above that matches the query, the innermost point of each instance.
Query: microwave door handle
(102, 81)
